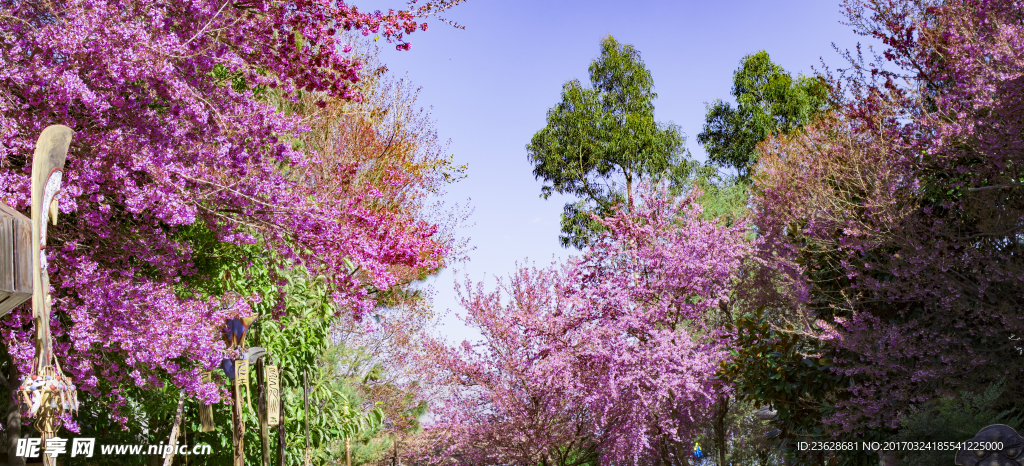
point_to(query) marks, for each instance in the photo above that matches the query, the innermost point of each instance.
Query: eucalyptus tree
(601, 141)
(768, 101)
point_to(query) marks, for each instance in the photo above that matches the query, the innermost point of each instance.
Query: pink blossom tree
(899, 220)
(611, 356)
(511, 398)
(177, 142)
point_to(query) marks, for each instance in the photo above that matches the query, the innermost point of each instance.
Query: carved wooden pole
(238, 432)
(282, 439)
(273, 395)
(47, 172)
(236, 367)
(262, 409)
(348, 451)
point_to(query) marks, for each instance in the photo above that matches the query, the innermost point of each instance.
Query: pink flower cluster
(173, 128)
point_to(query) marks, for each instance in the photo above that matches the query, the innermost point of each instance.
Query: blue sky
(491, 84)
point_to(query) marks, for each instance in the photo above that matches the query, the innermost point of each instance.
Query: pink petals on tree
(611, 355)
(899, 218)
(171, 105)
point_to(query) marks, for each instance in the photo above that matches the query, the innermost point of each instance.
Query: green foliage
(792, 374)
(600, 141)
(953, 420)
(724, 199)
(747, 438)
(769, 101)
(297, 340)
(333, 416)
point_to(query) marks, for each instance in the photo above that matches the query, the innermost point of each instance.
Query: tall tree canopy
(600, 141)
(768, 101)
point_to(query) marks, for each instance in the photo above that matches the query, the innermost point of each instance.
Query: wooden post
(305, 417)
(273, 395)
(261, 408)
(15, 288)
(238, 433)
(236, 331)
(282, 438)
(242, 377)
(173, 440)
(15, 259)
(47, 171)
(348, 451)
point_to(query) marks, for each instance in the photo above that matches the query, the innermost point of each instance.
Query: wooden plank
(21, 260)
(238, 423)
(173, 440)
(242, 377)
(6, 252)
(11, 211)
(281, 434)
(23, 256)
(261, 408)
(11, 301)
(15, 258)
(20, 248)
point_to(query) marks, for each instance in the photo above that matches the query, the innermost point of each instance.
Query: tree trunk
(348, 452)
(682, 454)
(721, 447)
(629, 192)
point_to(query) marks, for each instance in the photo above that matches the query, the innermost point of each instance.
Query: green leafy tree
(769, 101)
(601, 141)
(776, 368)
(953, 419)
